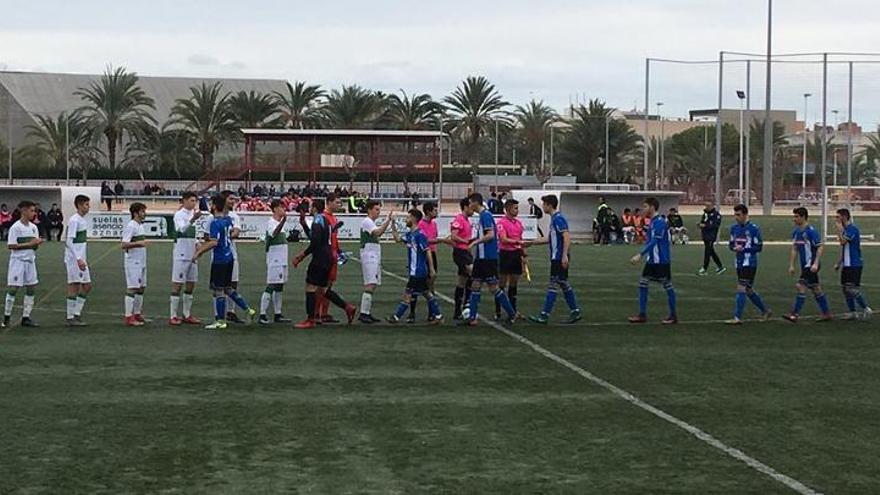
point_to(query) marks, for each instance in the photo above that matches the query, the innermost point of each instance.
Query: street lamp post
(658, 147)
(806, 134)
(496, 155)
(742, 98)
(607, 148)
(833, 136)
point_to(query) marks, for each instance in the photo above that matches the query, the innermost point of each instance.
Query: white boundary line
(737, 454)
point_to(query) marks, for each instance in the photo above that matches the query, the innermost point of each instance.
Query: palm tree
(117, 107)
(414, 112)
(49, 141)
(583, 148)
(352, 107)
(167, 150)
(252, 110)
(533, 123)
(475, 105)
(205, 114)
(300, 105)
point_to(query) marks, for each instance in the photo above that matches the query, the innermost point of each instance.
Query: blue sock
(643, 300)
(822, 300)
(861, 300)
(401, 309)
(502, 299)
(433, 306)
(758, 302)
(549, 301)
(220, 307)
(740, 305)
(570, 299)
(850, 302)
(238, 300)
(670, 295)
(474, 304)
(799, 303)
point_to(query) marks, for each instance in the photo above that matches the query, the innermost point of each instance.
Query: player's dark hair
(188, 194)
(219, 202)
(80, 199)
(370, 204)
(136, 207)
(275, 203)
(331, 197)
(531, 200)
(226, 193)
(844, 213)
(653, 202)
(416, 213)
(801, 212)
(476, 198)
(429, 206)
(551, 200)
(26, 204)
(464, 203)
(626, 210)
(318, 204)
(741, 208)
(510, 202)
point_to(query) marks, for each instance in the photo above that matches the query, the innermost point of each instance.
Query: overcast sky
(550, 49)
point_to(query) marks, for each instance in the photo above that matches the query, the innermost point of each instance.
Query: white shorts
(276, 274)
(135, 276)
(235, 269)
(371, 266)
(21, 273)
(77, 276)
(183, 271)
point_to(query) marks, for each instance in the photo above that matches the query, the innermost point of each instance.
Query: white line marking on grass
(701, 435)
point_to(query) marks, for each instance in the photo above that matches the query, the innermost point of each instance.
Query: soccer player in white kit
(184, 271)
(79, 278)
(371, 258)
(276, 264)
(24, 239)
(134, 243)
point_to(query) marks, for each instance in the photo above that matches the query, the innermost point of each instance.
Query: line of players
(490, 255)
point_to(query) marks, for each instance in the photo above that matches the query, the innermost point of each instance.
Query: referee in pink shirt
(428, 227)
(510, 235)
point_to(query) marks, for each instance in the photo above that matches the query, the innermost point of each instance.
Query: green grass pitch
(418, 409)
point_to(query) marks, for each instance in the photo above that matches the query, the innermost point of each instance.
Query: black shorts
(557, 272)
(318, 275)
(462, 259)
(746, 275)
(417, 285)
(221, 275)
(657, 272)
(851, 276)
(809, 278)
(511, 263)
(485, 270)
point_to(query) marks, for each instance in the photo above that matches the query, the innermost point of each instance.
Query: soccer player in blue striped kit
(807, 248)
(420, 268)
(658, 265)
(850, 266)
(746, 243)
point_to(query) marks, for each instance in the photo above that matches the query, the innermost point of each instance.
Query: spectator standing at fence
(538, 213)
(710, 222)
(118, 190)
(107, 195)
(56, 222)
(5, 221)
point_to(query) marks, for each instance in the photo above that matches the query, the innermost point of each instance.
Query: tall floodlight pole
(833, 138)
(9, 132)
(440, 165)
(496, 155)
(767, 196)
(748, 132)
(657, 151)
(742, 172)
(824, 144)
(607, 148)
(806, 134)
(67, 148)
(849, 143)
(647, 111)
(718, 130)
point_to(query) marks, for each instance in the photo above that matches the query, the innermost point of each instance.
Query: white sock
(138, 304)
(10, 301)
(80, 304)
(276, 301)
(366, 303)
(187, 304)
(28, 306)
(175, 304)
(71, 307)
(264, 302)
(129, 305)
